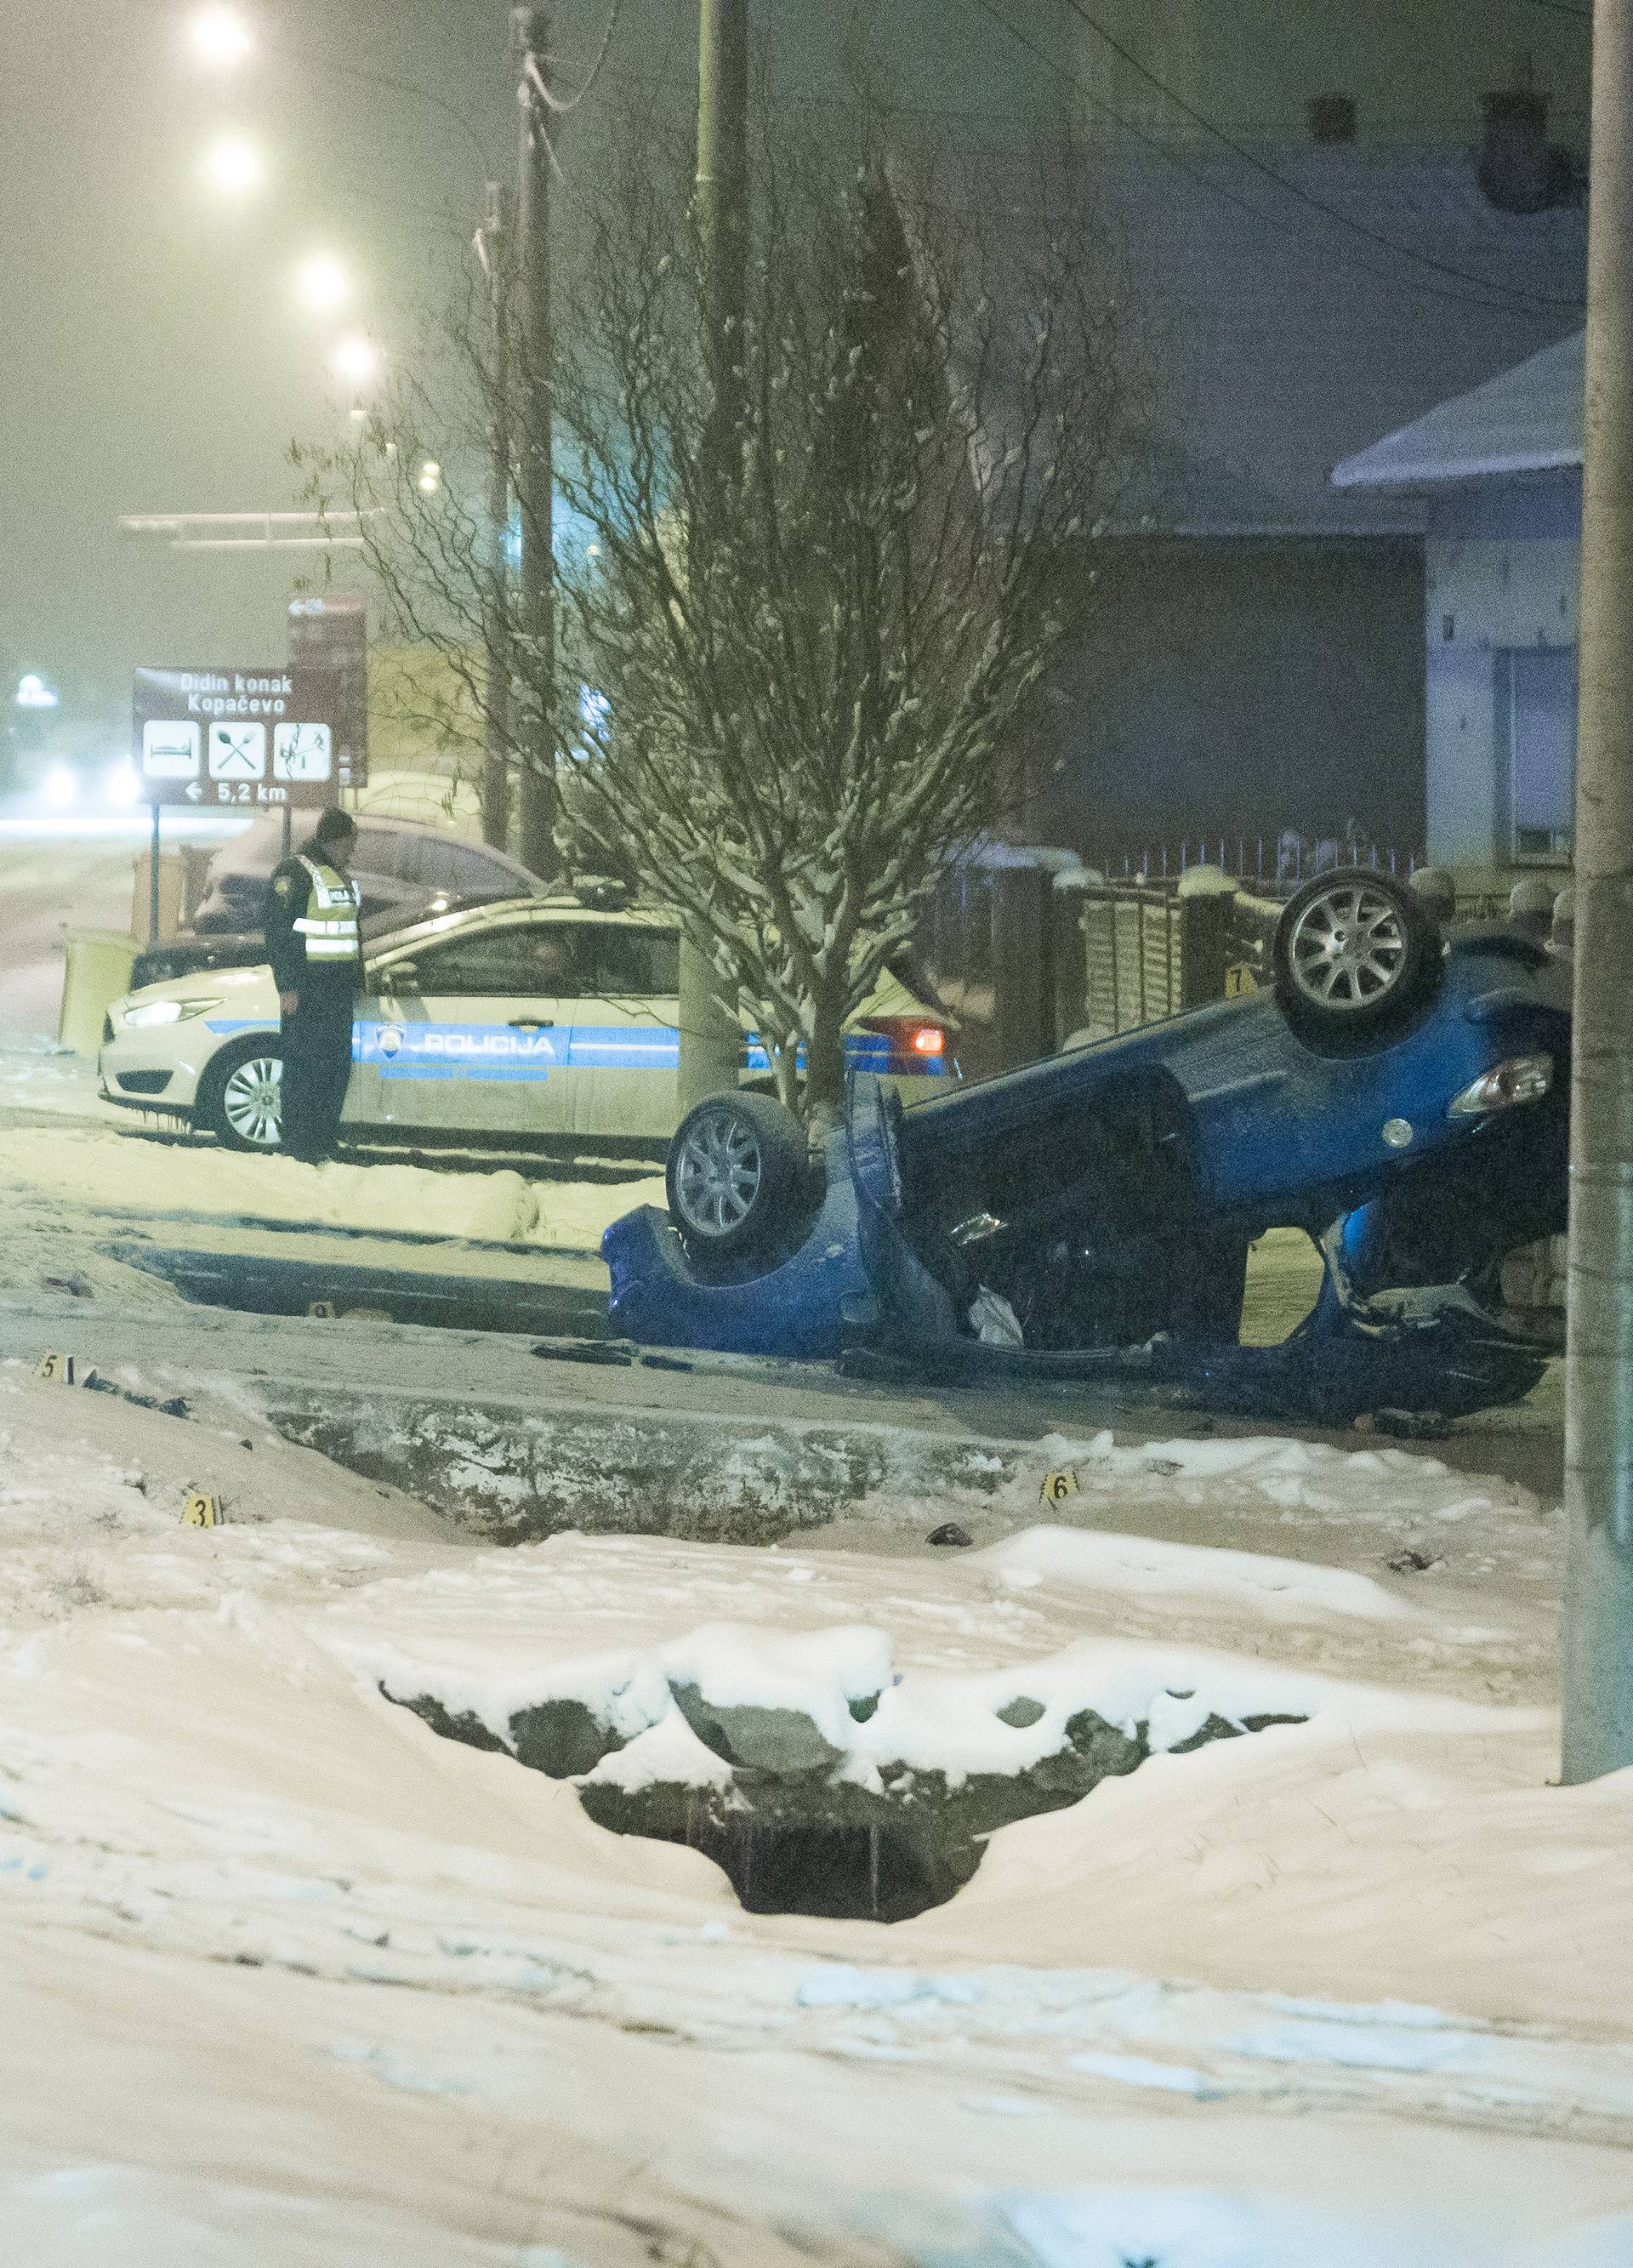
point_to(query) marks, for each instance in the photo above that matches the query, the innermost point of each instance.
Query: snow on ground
(111, 1171)
(75, 1171)
(291, 1978)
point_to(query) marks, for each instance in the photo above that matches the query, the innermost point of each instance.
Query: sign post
(152, 879)
(333, 634)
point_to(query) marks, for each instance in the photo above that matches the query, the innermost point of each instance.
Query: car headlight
(1522, 1078)
(167, 1012)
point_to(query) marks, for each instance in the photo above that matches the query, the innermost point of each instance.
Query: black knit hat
(334, 826)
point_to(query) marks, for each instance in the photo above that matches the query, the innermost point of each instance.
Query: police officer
(316, 952)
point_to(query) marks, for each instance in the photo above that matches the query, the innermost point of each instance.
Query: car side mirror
(401, 976)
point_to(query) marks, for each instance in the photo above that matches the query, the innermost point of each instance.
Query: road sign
(243, 738)
(334, 634)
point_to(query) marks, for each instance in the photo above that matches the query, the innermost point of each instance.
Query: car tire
(1353, 950)
(737, 1174)
(238, 1095)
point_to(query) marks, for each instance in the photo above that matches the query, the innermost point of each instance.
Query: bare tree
(818, 667)
(796, 668)
(439, 557)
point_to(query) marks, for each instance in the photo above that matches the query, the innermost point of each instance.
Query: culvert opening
(802, 1839)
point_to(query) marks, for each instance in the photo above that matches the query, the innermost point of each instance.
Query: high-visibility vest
(329, 925)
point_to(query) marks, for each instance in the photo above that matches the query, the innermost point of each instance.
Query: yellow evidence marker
(65, 1370)
(1057, 1487)
(201, 1511)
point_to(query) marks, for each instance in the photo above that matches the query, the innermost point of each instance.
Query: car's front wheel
(737, 1174)
(1354, 949)
(240, 1097)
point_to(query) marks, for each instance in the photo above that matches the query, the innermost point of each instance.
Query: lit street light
(234, 166)
(430, 477)
(123, 786)
(221, 38)
(357, 360)
(322, 283)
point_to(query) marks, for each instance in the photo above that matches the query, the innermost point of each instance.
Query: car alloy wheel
(252, 1101)
(717, 1172)
(1348, 948)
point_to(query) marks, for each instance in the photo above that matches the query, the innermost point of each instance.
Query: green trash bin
(96, 969)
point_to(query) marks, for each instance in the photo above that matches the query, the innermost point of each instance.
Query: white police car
(530, 1022)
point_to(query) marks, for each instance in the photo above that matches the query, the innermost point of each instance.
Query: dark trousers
(317, 1069)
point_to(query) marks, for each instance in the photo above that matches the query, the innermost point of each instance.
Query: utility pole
(1598, 1659)
(721, 206)
(711, 1037)
(493, 249)
(536, 463)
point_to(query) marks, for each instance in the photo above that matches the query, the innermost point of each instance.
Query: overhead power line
(1334, 213)
(1163, 148)
(561, 106)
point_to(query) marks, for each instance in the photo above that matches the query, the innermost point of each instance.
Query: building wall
(1417, 67)
(1242, 686)
(1503, 561)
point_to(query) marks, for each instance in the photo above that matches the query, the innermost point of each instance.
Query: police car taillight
(1522, 1078)
(915, 1046)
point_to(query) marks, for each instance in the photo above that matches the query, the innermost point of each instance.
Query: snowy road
(54, 873)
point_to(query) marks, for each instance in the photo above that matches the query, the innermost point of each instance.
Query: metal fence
(1282, 859)
(1027, 958)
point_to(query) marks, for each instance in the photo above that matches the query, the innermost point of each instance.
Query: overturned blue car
(1399, 1095)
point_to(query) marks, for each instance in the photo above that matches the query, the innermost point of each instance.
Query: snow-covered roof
(1528, 420)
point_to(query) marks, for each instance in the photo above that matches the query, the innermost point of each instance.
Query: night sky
(155, 356)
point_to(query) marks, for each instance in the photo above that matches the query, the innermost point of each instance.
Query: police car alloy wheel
(252, 1101)
(240, 1097)
(736, 1172)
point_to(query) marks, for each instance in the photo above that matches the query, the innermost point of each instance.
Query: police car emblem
(390, 1041)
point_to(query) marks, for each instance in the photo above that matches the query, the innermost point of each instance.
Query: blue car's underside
(1103, 1203)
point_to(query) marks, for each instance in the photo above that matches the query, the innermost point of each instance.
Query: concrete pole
(1598, 1655)
(722, 195)
(711, 1037)
(493, 247)
(535, 466)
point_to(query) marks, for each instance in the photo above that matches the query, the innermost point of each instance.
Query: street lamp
(430, 477)
(322, 283)
(234, 166)
(358, 360)
(221, 38)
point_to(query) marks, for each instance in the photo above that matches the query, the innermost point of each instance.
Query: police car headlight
(167, 1012)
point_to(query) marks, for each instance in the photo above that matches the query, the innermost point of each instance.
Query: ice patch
(843, 1987)
(1134, 2229)
(1139, 2071)
(1160, 1570)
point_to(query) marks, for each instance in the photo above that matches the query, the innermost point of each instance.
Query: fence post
(1070, 953)
(1023, 992)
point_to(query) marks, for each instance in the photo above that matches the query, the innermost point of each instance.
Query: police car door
(458, 1034)
(626, 1042)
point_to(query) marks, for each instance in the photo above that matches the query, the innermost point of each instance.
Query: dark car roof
(259, 849)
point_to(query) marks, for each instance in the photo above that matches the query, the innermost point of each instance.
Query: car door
(626, 1040)
(465, 1033)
